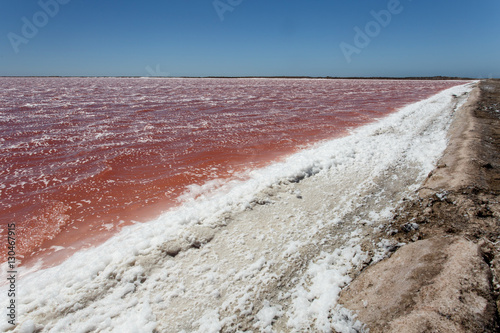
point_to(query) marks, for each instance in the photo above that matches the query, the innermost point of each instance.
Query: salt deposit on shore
(446, 279)
(269, 254)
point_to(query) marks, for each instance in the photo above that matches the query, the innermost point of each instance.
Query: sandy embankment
(447, 278)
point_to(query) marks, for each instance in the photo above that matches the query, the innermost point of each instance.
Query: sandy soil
(456, 215)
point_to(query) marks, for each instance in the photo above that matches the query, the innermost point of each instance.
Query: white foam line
(80, 294)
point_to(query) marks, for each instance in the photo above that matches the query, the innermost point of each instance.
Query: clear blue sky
(255, 37)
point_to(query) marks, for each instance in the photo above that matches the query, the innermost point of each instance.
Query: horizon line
(436, 77)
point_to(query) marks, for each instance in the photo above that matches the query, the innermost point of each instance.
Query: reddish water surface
(82, 156)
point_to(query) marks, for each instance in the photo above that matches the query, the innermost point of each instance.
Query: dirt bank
(447, 278)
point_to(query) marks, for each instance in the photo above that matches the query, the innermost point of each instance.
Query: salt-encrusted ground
(267, 255)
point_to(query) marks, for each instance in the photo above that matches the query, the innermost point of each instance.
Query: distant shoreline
(259, 77)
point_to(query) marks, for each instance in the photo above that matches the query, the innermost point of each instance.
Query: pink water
(81, 157)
